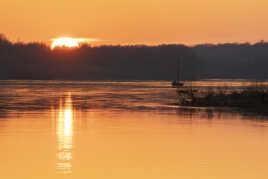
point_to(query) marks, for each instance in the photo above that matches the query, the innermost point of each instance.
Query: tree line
(138, 62)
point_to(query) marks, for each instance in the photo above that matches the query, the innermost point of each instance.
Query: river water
(119, 130)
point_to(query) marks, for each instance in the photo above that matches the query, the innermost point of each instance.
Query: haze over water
(119, 130)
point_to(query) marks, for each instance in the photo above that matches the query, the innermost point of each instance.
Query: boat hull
(176, 84)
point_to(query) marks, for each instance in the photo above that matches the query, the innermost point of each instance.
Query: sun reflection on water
(64, 127)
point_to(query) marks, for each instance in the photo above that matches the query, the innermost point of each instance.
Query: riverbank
(253, 98)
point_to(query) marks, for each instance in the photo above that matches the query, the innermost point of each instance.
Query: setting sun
(67, 42)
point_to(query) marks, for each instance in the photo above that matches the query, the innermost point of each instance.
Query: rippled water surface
(119, 130)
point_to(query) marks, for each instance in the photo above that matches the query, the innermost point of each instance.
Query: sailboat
(177, 83)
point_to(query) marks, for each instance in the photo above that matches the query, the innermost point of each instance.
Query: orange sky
(136, 21)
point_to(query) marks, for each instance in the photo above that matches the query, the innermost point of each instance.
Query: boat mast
(179, 69)
(177, 76)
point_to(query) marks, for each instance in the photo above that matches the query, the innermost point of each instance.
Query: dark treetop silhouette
(38, 61)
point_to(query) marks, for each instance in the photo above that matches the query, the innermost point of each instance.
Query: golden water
(122, 130)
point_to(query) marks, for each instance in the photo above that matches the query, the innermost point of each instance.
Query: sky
(136, 21)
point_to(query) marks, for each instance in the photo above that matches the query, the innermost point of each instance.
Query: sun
(66, 42)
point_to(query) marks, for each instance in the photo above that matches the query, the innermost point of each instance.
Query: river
(127, 129)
